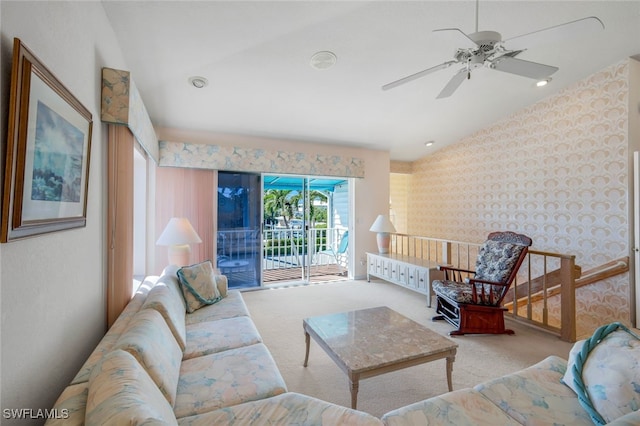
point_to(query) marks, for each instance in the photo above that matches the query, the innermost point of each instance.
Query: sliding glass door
(239, 236)
(281, 228)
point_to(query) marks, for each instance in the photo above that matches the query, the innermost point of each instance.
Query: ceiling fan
(486, 48)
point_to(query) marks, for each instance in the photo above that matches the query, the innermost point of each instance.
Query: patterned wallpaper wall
(556, 171)
(399, 201)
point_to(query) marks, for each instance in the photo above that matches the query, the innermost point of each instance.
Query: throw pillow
(199, 285)
(604, 371)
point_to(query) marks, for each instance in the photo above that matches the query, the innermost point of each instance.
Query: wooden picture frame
(46, 177)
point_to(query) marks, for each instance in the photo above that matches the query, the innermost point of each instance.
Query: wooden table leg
(307, 341)
(354, 384)
(450, 360)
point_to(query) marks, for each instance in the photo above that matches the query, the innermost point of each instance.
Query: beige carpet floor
(278, 315)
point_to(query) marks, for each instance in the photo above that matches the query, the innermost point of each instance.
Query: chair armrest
(451, 268)
(478, 281)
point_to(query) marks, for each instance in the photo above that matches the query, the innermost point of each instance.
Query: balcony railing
(544, 292)
(282, 248)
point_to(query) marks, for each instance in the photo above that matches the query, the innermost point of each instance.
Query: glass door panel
(239, 236)
(284, 230)
(305, 228)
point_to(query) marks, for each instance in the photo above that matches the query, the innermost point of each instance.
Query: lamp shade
(178, 232)
(382, 224)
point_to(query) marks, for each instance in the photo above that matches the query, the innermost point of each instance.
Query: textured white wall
(557, 171)
(53, 286)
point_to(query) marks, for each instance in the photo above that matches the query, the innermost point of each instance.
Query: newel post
(568, 299)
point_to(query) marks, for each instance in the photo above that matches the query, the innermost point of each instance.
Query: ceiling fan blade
(453, 84)
(456, 37)
(523, 68)
(573, 29)
(417, 75)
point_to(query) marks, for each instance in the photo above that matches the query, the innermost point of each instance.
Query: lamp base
(180, 255)
(384, 241)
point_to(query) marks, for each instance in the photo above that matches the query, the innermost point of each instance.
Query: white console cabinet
(411, 272)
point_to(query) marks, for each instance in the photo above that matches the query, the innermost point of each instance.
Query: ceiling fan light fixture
(542, 83)
(428, 143)
(198, 82)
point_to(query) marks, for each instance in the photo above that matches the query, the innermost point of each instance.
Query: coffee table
(374, 341)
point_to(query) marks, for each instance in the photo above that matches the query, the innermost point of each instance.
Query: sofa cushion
(285, 409)
(121, 392)
(199, 285)
(150, 341)
(115, 330)
(166, 298)
(464, 407)
(630, 419)
(227, 378)
(229, 307)
(70, 406)
(206, 338)
(536, 395)
(610, 366)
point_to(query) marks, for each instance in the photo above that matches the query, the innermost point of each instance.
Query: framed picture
(47, 158)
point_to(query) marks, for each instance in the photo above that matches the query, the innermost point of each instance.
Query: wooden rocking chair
(474, 304)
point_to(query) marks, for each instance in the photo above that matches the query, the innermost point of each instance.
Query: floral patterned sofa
(598, 384)
(161, 364)
(164, 362)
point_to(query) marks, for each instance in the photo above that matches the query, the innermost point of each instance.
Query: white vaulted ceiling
(256, 57)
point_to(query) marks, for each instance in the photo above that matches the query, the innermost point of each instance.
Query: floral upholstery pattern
(610, 374)
(286, 409)
(165, 299)
(536, 395)
(152, 344)
(206, 338)
(496, 260)
(199, 285)
(121, 392)
(231, 306)
(227, 378)
(114, 332)
(464, 407)
(460, 292)
(631, 419)
(74, 400)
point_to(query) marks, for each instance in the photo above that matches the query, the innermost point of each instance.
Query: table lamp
(383, 227)
(179, 235)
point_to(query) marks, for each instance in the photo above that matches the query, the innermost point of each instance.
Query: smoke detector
(323, 60)
(198, 82)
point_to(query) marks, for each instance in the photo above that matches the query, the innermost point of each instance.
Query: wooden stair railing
(599, 273)
(562, 282)
(549, 285)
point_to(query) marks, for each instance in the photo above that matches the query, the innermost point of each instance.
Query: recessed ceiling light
(323, 60)
(543, 83)
(198, 82)
(428, 143)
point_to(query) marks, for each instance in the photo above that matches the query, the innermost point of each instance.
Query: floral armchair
(471, 301)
